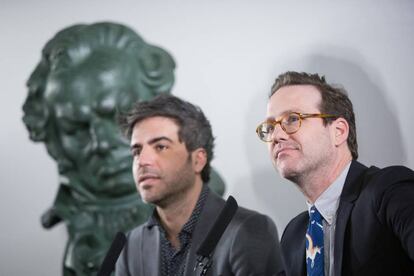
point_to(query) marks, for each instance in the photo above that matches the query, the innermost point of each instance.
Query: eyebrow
(273, 118)
(157, 139)
(153, 141)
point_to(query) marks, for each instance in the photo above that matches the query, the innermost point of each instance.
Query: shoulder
(386, 194)
(392, 173)
(296, 223)
(377, 181)
(253, 244)
(141, 232)
(245, 222)
(242, 217)
(246, 218)
(138, 229)
(136, 233)
(130, 251)
(295, 227)
(368, 184)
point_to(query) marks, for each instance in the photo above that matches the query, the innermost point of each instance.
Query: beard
(300, 169)
(174, 185)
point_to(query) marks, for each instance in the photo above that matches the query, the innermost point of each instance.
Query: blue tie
(314, 244)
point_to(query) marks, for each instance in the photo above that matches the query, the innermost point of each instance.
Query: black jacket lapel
(350, 193)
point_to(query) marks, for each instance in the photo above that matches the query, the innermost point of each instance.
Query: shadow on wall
(378, 131)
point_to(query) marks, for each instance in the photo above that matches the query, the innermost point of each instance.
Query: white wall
(228, 54)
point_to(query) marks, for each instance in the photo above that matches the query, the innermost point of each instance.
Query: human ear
(341, 131)
(199, 157)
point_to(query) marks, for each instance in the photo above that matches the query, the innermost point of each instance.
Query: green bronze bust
(88, 74)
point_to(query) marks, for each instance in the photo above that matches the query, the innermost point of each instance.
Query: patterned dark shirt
(172, 260)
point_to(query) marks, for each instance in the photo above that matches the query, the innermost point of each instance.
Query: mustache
(147, 172)
(278, 147)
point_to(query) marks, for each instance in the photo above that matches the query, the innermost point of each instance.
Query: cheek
(71, 147)
(315, 145)
(135, 169)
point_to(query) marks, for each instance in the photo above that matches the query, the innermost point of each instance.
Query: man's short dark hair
(334, 100)
(194, 128)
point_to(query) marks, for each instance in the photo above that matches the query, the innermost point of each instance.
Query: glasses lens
(291, 123)
(264, 131)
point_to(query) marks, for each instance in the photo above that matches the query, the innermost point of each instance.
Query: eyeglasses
(290, 123)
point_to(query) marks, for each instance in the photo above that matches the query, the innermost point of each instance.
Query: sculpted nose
(100, 138)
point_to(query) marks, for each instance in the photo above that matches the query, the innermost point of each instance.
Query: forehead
(77, 87)
(81, 94)
(298, 98)
(154, 127)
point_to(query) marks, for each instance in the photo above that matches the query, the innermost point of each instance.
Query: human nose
(146, 157)
(278, 134)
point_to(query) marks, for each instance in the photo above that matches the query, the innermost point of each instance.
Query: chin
(146, 197)
(286, 171)
(152, 198)
(149, 200)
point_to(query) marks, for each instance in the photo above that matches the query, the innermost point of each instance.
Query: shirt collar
(327, 203)
(153, 219)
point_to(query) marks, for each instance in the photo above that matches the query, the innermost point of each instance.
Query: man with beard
(172, 147)
(360, 220)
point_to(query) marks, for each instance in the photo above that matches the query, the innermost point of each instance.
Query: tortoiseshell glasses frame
(290, 123)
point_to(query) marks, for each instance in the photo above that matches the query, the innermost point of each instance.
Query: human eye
(160, 147)
(136, 151)
(291, 118)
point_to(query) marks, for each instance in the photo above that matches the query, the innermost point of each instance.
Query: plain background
(228, 54)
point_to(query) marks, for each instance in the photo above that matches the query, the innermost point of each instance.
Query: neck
(177, 213)
(316, 182)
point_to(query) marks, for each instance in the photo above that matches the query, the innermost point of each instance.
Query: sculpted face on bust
(83, 108)
(87, 75)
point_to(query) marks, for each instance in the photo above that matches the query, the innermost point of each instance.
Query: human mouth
(281, 150)
(145, 179)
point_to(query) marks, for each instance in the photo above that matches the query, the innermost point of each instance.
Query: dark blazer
(249, 246)
(374, 232)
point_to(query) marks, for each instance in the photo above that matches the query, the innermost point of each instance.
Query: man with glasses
(360, 220)
(172, 147)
